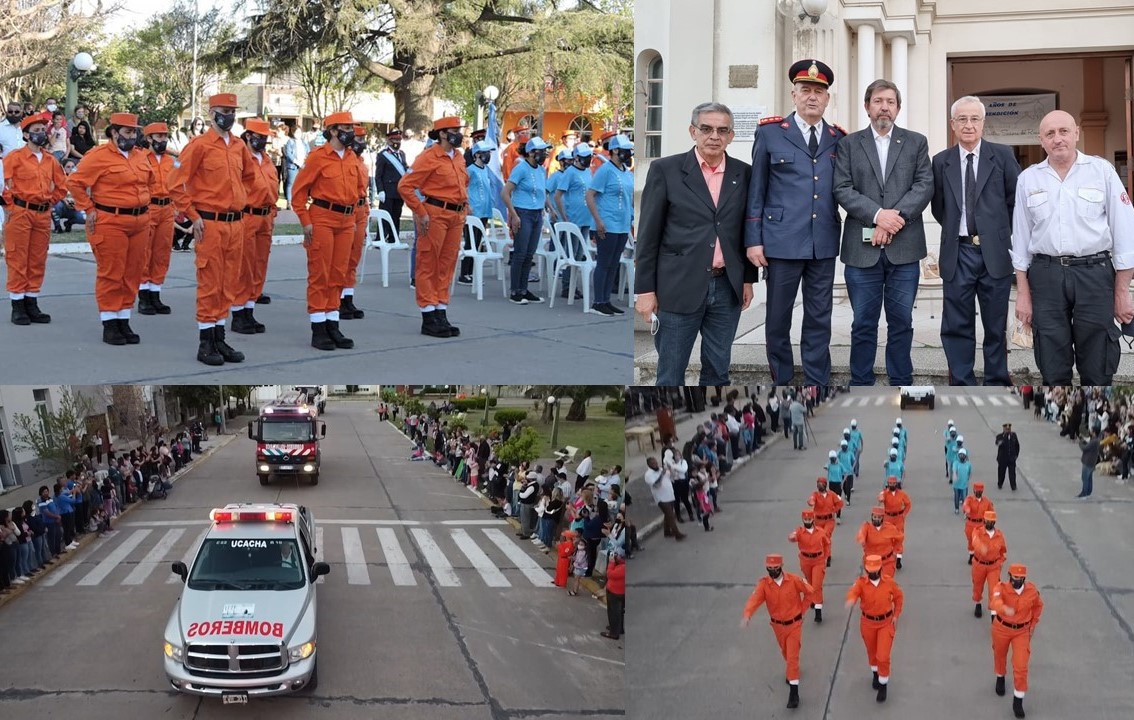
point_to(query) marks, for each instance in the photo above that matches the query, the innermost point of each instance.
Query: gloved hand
(382, 196)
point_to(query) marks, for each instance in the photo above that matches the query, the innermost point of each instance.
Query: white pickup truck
(917, 394)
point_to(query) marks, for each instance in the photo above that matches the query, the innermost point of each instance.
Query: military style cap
(774, 561)
(812, 71)
(872, 563)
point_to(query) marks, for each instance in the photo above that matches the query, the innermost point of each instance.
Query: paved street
(466, 625)
(558, 345)
(688, 658)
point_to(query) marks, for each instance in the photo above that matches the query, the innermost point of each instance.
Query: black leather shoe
(155, 301)
(227, 352)
(443, 319)
(145, 306)
(20, 312)
(319, 338)
(132, 338)
(977, 612)
(340, 340)
(31, 306)
(207, 350)
(1000, 685)
(111, 334)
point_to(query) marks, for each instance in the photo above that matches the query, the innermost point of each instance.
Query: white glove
(382, 196)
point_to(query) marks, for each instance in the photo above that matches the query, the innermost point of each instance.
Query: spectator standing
(294, 156)
(1090, 449)
(661, 487)
(528, 497)
(11, 134)
(1007, 450)
(615, 597)
(583, 470)
(798, 426)
(610, 198)
(81, 140)
(59, 136)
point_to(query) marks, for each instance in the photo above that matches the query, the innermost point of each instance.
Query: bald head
(1059, 135)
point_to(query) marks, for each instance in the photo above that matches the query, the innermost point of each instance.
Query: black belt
(123, 211)
(969, 240)
(974, 520)
(456, 207)
(1071, 260)
(160, 201)
(888, 555)
(333, 207)
(261, 211)
(34, 208)
(1013, 626)
(824, 517)
(226, 216)
(990, 562)
(717, 271)
(810, 555)
(794, 620)
(893, 514)
(878, 618)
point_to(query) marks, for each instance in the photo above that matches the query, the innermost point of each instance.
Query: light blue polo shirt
(574, 186)
(530, 192)
(480, 191)
(614, 197)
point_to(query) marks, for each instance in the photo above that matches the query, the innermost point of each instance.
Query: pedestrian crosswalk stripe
(492, 576)
(400, 570)
(355, 561)
(59, 573)
(188, 557)
(155, 557)
(961, 401)
(977, 401)
(532, 570)
(879, 400)
(438, 563)
(319, 550)
(996, 401)
(945, 400)
(863, 402)
(116, 556)
(847, 402)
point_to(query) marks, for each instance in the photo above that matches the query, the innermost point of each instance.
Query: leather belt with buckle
(893, 514)
(878, 618)
(160, 201)
(123, 211)
(333, 207)
(986, 562)
(717, 271)
(1014, 626)
(227, 216)
(795, 619)
(824, 517)
(1073, 260)
(455, 207)
(969, 240)
(43, 207)
(811, 555)
(261, 211)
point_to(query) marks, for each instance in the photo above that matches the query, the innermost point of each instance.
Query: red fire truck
(287, 434)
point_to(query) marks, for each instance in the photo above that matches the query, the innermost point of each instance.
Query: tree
(38, 39)
(579, 394)
(56, 438)
(412, 44)
(520, 447)
(132, 419)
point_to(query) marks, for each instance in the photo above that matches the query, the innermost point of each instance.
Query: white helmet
(898, 422)
(832, 454)
(950, 423)
(846, 431)
(893, 452)
(895, 442)
(897, 432)
(854, 423)
(844, 443)
(963, 451)
(960, 439)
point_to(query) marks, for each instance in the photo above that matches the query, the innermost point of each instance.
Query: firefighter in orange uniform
(880, 599)
(439, 174)
(33, 182)
(786, 596)
(880, 538)
(991, 551)
(258, 221)
(161, 222)
(113, 186)
(974, 507)
(814, 549)
(210, 185)
(603, 154)
(1018, 606)
(333, 180)
(347, 310)
(825, 504)
(897, 505)
(510, 155)
(567, 142)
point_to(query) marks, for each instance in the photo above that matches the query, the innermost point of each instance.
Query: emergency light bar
(227, 516)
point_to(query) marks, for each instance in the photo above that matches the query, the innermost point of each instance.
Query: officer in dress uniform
(389, 166)
(793, 225)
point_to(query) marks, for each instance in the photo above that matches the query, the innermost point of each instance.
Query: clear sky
(135, 12)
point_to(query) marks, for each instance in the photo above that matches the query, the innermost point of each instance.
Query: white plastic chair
(627, 263)
(569, 243)
(546, 258)
(386, 238)
(480, 255)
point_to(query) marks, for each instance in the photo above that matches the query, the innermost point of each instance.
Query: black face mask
(807, 524)
(159, 146)
(539, 157)
(978, 495)
(774, 572)
(877, 523)
(455, 139)
(224, 121)
(358, 147)
(14, 118)
(38, 138)
(126, 144)
(1017, 582)
(874, 575)
(346, 137)
(892, 488)
(482, 158)
(990, 526)
(142, 143)
(257, 143)
(582, 163)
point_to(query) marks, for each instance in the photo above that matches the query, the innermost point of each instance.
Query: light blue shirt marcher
(530, 192)
(962, 470)
(614, 197)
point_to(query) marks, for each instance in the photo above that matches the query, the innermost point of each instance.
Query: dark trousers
(716, 321)
(1088, 478)
(669, 522)
(55, 538)
(615, 612)
(524, 245)
(784, 277)
(1001, 467)
(958, 320)
(870, 289)
(1073, 321)
(68, 527)
(681, 492)
(608, 257)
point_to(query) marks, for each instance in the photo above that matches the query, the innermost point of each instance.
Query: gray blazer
(678, 227)
(860, 191)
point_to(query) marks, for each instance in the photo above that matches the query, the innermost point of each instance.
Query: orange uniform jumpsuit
(974, 511)
(161, 222)
(443, 178)
(988, 557)
(1015, 631)
(825, 506)
(38, 182)
(881, 606)
(119, 188)
(212, 182)
(814, 547)
(258, 223)
(883, 542)
(897, 506)
(786, 602)
(361, 218)
(328, 178)
(509, 156)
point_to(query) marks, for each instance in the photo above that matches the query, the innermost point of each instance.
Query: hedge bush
(507, 415)
(616, 407)
(465, 404)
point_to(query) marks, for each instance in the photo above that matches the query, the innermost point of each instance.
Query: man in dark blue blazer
(793, 223)
(974, 193)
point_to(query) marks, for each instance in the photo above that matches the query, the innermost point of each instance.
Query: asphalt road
(559, 345)
(86, 643)
(688, 658)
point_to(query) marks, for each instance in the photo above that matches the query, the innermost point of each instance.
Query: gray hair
(710, 107)
(964, 101)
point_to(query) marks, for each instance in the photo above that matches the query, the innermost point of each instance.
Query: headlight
(301, 652)
(264, 468)
(308, 468)
(173, 652)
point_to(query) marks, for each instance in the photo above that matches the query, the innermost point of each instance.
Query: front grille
(230, 660)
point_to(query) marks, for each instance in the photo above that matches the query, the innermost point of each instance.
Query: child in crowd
(578, 567)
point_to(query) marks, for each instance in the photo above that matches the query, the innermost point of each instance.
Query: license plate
(234, 698)
(287, 467)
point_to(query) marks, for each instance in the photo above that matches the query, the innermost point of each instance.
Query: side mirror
(323, 430)
(180, 569)
(250, 435)
(320, 568)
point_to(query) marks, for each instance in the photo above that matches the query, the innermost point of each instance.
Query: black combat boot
(454, 331)
(876, 684)
(145, 305)
(31, 306)
(1000, 685)
(226, 351)
(158, 305)
(430, 326)
(319, 338)
(132, 338)
(881, 697)
(793, 697)
(241, 322)
(264, 300)
(818, 615)
(899, 563)
(1018, 707)
(977, 611)
(258, 326)
(20, 312)
(340, 340)
(111, 334)
(207, 350)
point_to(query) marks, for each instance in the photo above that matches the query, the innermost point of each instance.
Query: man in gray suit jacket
(884, 181)
(691, 273)
(974, 192)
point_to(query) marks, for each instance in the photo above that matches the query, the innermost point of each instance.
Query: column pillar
(899, 62)
(865, 70)
(1094, 117)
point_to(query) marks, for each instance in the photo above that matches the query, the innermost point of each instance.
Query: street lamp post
(81, 63)
(556, 402)
(484, 392)
(223, 410)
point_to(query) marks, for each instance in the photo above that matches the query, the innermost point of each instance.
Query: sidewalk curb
(90, 538)
(596, 590)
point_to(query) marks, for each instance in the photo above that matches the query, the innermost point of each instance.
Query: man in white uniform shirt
(583, 472)
(11, 136)
(1073, 252)
(661, 487)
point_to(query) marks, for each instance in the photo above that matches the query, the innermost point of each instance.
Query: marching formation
(1015, 605)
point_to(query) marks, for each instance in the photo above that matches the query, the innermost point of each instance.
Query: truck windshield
(286, 431)
(247, 564)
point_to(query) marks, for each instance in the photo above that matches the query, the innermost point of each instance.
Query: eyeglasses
(966, 120)
(710, 130)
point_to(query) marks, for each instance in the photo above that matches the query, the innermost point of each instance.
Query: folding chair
(480, 255)
(387, 239)
(577, 256)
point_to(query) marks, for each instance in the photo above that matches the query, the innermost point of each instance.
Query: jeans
(24, 559)
(42, 554)
(716, 321)
(1088, 480)
(292, 171)
(607, 259)
(894, 287)
(524, 245)
(959, 497)
(547, 530)
(797, 436)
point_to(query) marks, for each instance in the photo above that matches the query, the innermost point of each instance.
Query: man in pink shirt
(691, 273)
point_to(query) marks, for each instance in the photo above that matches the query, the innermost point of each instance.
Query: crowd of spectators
(1104, 414)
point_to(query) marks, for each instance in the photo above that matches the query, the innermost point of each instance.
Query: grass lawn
(601, 433)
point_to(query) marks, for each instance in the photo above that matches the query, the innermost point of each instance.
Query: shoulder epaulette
(770, 119)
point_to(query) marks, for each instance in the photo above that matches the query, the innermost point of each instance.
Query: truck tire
(315, 479)
(931, 401)
(313, 683)
(265, 479)
(903, 403)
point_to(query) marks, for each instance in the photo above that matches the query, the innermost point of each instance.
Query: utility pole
(223, 410)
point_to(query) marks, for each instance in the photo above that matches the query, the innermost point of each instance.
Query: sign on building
(1015, 119)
